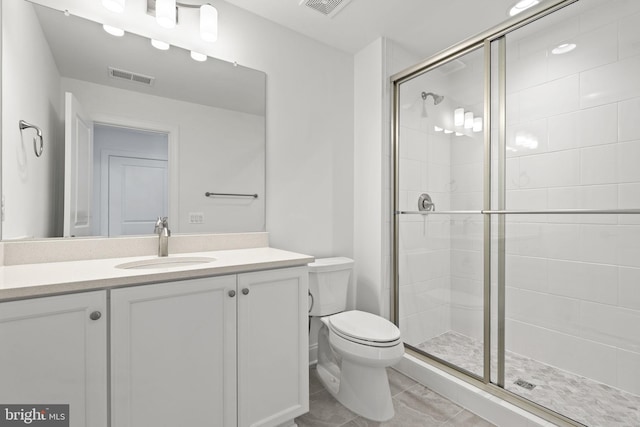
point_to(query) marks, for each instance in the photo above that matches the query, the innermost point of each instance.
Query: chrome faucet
(163, 232)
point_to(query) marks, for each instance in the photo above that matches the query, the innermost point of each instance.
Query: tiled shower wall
(573, 281)
(573, 137)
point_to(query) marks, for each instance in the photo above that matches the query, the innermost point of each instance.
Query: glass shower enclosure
(517, 210)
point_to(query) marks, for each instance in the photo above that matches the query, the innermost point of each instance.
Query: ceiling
(423, 27)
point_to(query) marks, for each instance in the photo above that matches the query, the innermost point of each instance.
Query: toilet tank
(328, 284)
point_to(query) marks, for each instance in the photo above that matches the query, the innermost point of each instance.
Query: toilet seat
(364, 328)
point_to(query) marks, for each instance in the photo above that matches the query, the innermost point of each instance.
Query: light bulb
(197, 56)
(477, 124)
(166, 13)
(468, 120)
(160, 44)
(114, 31)
(208, 23)
(458, 116)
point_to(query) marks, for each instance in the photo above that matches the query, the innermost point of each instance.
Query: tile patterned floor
(415, 406)
(582, 399)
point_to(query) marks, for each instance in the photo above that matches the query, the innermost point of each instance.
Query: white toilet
(354, 347)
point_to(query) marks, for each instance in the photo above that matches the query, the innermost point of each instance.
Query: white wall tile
(586, 281)
(610, 325)
(557, 169)
(550, 99)
(629, 161)
(544, 310)
(563, 131)
(629, 287)
(527, 273)
(597, 244)
(628, 35)
(628, 123)
(610, 83)
(527, 138)
(628, 364)
(628, 245)
(598, 165)
(598, 125)
(594, 48)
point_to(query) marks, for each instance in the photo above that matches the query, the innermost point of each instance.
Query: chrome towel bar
(208, 194)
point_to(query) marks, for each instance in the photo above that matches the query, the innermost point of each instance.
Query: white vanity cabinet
(273, 348)
(53, 350)
(223, 351)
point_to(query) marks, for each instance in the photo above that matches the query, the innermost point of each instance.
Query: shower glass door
(572, 265)
(440, 230)
(517, 247)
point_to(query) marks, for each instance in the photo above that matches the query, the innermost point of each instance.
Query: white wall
(29, 92)
(218, 150)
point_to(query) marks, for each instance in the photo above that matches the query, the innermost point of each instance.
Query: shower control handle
(425, 203)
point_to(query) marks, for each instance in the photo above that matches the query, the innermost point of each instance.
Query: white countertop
(34, 280)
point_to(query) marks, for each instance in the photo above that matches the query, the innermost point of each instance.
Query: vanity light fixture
(522, 5)
(114, 5)
(166, 13)
(160, 44)
(458, 116)
(468, 120)
(563, 48)
(197, 56)
(447, 131)
(114, 31)
(477, 124)
(208, 23)
(437, 129)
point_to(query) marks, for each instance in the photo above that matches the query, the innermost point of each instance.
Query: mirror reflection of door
(78, 160)
(137, 194)
(131, 179)
(116, 177)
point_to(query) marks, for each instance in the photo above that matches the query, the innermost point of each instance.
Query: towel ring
(38, 150)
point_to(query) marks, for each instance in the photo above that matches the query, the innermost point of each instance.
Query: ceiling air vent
(327, 7)
(132, 77)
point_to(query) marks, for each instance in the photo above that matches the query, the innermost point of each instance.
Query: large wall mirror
(129, 133)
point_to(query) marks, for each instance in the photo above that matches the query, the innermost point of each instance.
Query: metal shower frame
(483, 41)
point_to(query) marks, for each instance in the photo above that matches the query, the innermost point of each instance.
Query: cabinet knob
(232, 294)
(95, 315)
(245, 291)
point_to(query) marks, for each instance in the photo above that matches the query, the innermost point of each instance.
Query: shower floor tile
(582, 399)
(415, 406)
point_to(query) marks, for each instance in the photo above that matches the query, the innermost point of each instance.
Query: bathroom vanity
(129, 343)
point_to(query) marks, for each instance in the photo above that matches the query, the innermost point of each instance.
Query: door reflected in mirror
(211, 116)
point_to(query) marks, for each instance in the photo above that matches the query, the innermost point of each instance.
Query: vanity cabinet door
(53, 350)
(173, 354)
(273, 365)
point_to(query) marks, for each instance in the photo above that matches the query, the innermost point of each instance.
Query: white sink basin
(165, 262)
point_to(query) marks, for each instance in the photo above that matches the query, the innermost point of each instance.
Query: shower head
(437, 99)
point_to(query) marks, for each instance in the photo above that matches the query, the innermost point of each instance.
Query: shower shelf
(532, 212)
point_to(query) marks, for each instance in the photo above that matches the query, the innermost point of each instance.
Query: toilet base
(363, 390)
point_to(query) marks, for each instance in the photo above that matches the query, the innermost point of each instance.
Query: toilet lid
(364, 326)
